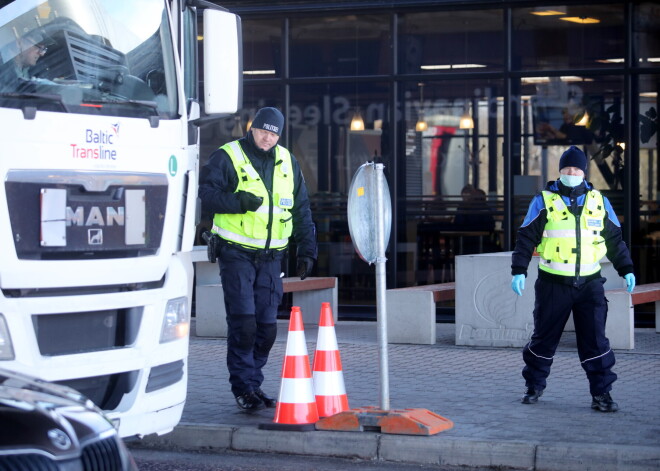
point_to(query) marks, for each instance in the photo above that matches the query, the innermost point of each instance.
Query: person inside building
(473, 215)
(572, 226)
(256, 192)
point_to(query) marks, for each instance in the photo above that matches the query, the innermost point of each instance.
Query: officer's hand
(249, 202)
(518, 284)
(630, 282)
(304, 267)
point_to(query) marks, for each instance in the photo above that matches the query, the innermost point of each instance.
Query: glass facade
(568, 37)
(468, 108)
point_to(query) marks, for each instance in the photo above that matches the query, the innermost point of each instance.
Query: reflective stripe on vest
(225, 234)
(558, 247)
(554, 267)
(270, 225)
(567, 233)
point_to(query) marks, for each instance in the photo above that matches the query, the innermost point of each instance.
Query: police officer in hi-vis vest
(257, 194)
(572, 226)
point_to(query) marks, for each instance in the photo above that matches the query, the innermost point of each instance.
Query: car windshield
(95, 56)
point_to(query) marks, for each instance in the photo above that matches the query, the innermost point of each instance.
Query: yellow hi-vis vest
(561, 238)
(270, 226)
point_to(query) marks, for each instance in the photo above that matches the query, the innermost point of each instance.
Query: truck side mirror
(223, 62)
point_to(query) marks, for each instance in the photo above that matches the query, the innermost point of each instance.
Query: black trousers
(553, 305)
(252, 289)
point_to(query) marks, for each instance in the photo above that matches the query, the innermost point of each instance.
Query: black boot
(531, 396)
(249, 402)
(265, 398)
(604, 403)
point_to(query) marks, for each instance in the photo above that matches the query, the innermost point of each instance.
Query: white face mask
(570, 180)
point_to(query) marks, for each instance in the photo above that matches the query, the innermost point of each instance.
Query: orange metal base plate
(397, 421)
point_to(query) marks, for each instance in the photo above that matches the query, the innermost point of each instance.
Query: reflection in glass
(451, 42)
(551, 40)
(646, 24)
(95, 59)
(262, 50)
(340, 46)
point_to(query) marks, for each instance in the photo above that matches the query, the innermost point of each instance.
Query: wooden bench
(620, 329)
(210, 314)
(411, 312)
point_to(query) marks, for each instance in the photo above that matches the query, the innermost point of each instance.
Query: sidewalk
(477, 388)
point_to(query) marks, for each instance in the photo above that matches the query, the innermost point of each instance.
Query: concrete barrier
(411, 312)
(490, 314)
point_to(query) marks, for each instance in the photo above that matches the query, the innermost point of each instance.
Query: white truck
(99, 164)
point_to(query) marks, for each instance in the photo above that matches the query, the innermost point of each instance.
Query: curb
(422, 450)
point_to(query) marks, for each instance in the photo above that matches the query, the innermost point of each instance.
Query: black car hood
(37, 416)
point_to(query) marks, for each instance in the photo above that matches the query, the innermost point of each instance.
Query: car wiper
(120, 101)
(30, 111)
(152, 105)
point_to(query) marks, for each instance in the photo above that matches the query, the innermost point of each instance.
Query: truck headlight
(176, 324)
(6, 348)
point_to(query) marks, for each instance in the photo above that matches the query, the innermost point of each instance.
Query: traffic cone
(329, 386)
(296, 408)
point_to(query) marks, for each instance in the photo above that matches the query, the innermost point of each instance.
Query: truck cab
(100, 102)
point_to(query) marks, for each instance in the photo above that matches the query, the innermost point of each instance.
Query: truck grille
(82, 332)
(80, 216)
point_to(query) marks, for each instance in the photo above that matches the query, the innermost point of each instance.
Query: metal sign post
(370, 222)
(381, 287)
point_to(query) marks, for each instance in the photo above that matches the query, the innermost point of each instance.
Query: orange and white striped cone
(296, 408)
(328, 376)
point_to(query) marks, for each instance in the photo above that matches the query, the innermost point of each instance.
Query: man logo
(95, 236)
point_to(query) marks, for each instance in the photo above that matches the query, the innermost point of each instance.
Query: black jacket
(218, 183)
(531, 232)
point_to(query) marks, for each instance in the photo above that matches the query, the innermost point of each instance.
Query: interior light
(451, 66)
(436, 67)
(421, 124)
(259, 72)
(535, 80)
(564, 78)
(584, 120)
(548, 13)
(466, 121)
(357, 123)
(467, 66)
(581, 20)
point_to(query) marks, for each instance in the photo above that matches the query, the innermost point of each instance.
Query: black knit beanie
(573, 157)
(269, 119)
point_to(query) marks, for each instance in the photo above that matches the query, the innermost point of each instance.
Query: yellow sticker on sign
(360, 191)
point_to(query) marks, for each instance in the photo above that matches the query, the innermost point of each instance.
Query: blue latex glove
(518, 284)
(630, 282)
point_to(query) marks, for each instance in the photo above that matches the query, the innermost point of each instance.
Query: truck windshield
(103, 57)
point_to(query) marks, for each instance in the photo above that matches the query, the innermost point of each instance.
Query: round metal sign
(362, 211)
